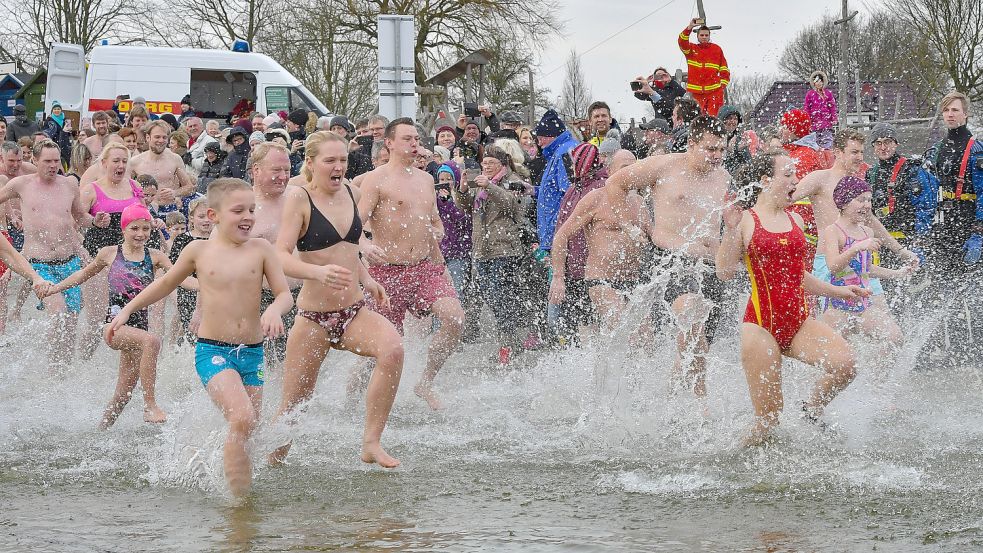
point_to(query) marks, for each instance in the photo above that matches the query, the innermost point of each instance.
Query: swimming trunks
(688, 275)
(776, 266)
(333, 322)
(98, 237)
(57, 270)
(16, 237)
(214, 356)
(321, 234)
(126, 280)
(412, 288)
(856, 273)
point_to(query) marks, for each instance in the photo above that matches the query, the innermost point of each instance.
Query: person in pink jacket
(821, 107)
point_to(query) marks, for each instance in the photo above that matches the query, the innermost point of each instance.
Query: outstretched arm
(100, 262)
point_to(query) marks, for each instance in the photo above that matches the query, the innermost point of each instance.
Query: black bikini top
(321, 234)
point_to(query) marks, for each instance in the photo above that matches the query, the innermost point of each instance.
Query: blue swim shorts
(213, 357)
(55, 271)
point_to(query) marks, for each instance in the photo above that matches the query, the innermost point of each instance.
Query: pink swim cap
(134, 212)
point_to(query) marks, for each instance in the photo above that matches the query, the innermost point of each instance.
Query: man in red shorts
(399, 204)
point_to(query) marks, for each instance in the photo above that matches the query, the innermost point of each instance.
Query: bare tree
(212, 23)
(443, 25)
(32, 26)
(954, 29)
(746, 90)
(576, 95)
(341, 75)
(881, 47)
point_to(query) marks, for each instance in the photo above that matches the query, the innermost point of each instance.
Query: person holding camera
(708, 72)
(661, 90)
(495, 200)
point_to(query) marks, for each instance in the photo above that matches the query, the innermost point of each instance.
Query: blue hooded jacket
(552, 187)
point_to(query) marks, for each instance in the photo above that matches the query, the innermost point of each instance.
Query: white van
(217, 80)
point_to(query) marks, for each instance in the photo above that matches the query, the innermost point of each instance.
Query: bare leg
(691, 312)
(4, 281)
(238, 408)
(762, 361)
(138, 356)
(445, 341)
(610, 306)
(307, 346)
(129, 362)
(819, 345)
(95, 299)
(22, 294)
(61, 333)
(372, 335)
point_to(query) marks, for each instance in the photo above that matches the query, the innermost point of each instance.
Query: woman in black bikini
(321, 221)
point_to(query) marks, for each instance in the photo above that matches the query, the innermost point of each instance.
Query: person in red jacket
(708, 73)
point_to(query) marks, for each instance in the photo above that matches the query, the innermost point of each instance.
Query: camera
(635, 85)
(516, 186)
(365, 141)
(471, 110)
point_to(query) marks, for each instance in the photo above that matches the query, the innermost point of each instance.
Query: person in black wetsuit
(955, 241)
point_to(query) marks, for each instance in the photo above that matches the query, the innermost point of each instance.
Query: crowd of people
(283, 236)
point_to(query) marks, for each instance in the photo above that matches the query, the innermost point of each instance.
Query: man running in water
(400, 205)
(164, 165)
(688, 191)
(52, 213)
(270, 171)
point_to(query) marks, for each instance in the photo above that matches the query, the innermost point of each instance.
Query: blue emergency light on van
(240, 46)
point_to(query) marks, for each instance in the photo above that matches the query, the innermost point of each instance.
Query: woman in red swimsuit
(773, 248)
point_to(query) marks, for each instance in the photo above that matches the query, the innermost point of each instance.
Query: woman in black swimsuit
(321, 221)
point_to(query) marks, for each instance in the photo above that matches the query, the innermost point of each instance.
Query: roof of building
(886, 99)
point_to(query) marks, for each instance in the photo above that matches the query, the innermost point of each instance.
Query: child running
(131, 269)
(331, 309)
(229, 353)
(776, 321)
(849, 247)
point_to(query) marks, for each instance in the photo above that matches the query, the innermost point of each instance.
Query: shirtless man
(96, 142)
(399, 203)
(10, 220)
(848, 148)
(688, 193)
(270, 171)
(164, 165)
(616, 233)
(52, 213)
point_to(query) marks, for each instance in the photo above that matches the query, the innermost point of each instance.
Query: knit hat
(446, 128)
(134, 212)
(298, 117)
(270, 119)
(171, 120)
(586, 159)
(883, 130)
(510, 117)
(20, 109)
(442, 151)
(847, 189)
(186, 99)
(341, 121)
(728, 110)
(550, 124)
(213, 146)
(246, 124)
(797, 121)
(453, 169)
(256, 137)
(611, 143)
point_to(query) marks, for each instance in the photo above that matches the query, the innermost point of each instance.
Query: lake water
(526, 459)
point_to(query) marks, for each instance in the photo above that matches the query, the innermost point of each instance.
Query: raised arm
(685, 46)
(638, 176)
(102, 260)
(807, 187)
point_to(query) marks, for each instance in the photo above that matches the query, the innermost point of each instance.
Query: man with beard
(164, 165)
(96, 142)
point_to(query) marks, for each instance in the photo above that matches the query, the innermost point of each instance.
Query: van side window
(286, 98)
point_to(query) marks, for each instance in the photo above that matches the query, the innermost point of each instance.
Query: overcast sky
(753, 36)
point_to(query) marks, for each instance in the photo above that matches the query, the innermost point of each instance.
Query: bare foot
(154, 414)
(426, 392)
(373, 453)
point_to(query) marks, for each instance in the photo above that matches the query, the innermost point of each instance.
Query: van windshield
(289, 98)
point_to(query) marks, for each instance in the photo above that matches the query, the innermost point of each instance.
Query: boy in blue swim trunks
(229, 354)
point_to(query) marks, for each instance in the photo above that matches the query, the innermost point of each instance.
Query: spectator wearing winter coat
(556, 141)
(211, 167)
(54, 128)
(661, 90)
(235, 164)
(21, 126)
(456, 244)
(821, 107)
(197, 140)
(738, 153)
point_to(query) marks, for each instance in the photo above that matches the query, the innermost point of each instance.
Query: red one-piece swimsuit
(776, 265)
